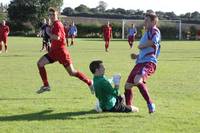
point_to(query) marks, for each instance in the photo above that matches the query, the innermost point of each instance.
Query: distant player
(146, 61)
(72, 33)
(45, 37)
(66, 33)
(59, 53)
(4, 31)
(132, 31)
(107, 34)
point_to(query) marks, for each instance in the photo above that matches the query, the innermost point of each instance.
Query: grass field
(68, 107)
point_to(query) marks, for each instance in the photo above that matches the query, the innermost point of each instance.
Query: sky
(177, 6)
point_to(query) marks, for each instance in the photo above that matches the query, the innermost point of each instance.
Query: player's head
(53, 14)
(97, 68)
(133, 25)
(3, 22)
(150, 19)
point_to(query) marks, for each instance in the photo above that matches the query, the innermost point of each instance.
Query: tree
(68, 11)
(82, 9)
(26, 14)
(102, 6)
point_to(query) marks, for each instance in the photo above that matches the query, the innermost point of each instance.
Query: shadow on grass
(15, 55)
(43, 116)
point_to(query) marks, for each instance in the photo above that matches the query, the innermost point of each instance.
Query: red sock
(128, 96)
(43, 75)
(144, 91)
(82, 77)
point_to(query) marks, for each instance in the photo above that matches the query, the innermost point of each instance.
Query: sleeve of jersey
(56, 29)
(109, 89)
(155, 38)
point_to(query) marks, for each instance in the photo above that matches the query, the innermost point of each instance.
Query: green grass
(68, 107)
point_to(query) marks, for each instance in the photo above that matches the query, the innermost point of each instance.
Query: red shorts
(4, 39)
(106, 38)
(61, 55)
(145, 69)
(131, 38)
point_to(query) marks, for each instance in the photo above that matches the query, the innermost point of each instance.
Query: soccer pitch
(68, 107)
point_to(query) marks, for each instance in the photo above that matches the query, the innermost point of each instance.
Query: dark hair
(51, 9)
(95, 65)
(152, 15)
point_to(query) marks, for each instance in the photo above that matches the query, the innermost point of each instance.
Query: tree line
(25, 16)
(119, 13)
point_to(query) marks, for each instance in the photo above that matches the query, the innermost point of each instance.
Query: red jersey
(107, 31)
(4, 30)
(58, 29)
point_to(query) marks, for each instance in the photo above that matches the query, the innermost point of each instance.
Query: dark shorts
(120, 106)
(145, 69)
(60, 55)
(131, 38)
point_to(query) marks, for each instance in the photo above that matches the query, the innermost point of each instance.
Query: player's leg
(5, 44)
(43, 45)
(121, 107)
(75, 73)
(107, 41)
(43, 74)
(144, 92)
(67, 42)
(129, 85)
(1, 44)
(72, 40)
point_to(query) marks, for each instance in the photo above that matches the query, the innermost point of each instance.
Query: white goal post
(140, 22)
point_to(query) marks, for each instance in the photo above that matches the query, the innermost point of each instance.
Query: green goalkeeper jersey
(105, 92)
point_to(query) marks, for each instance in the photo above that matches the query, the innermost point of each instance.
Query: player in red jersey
(4, 31)
(59, 53)
(107, 33)
(66, 33)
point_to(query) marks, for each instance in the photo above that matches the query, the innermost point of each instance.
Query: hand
(116, 79)
(133, 56)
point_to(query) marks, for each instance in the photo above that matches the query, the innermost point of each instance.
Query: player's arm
(111, 35)
(109, 89)
(51, 35)
(8, 30)
(149, 43)
(135, 32)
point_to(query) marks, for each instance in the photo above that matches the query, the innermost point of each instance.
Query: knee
(72, 73)
(40, 64)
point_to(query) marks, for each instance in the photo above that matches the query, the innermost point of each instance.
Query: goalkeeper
(109, 100)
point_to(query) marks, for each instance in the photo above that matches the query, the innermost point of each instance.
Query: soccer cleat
(134, 109)
(151, 107)
(43, 89)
